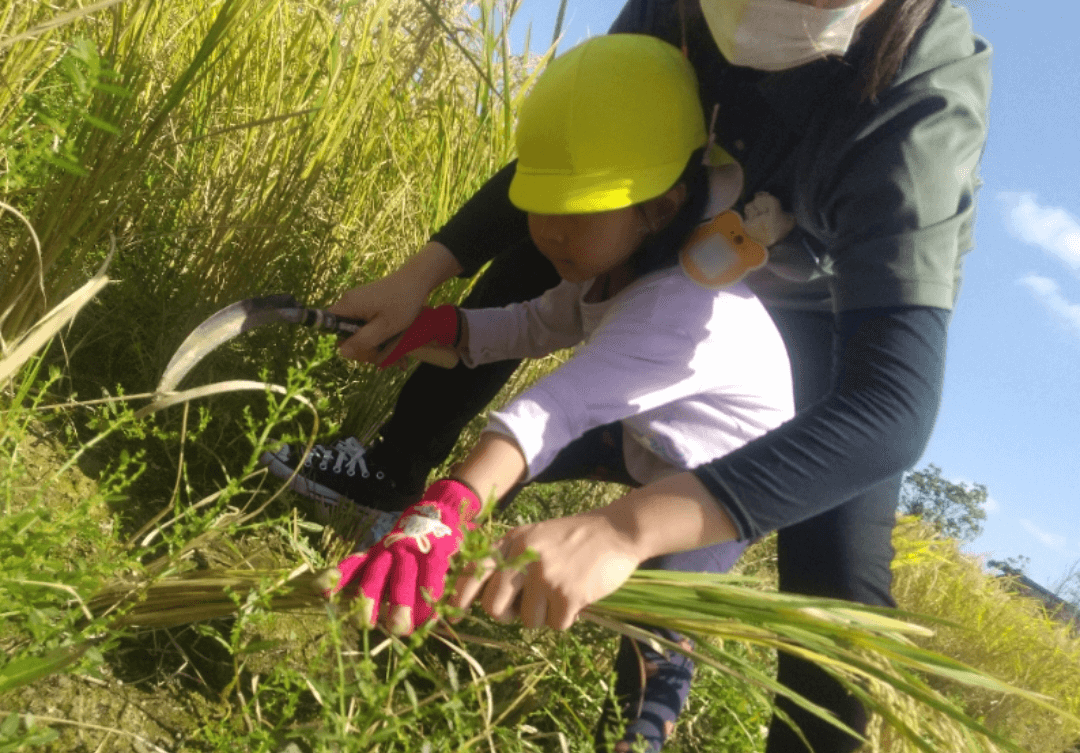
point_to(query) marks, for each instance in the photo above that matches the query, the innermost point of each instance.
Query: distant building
(1056, 607)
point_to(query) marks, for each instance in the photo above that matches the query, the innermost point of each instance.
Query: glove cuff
(458, 495)
(447, 310)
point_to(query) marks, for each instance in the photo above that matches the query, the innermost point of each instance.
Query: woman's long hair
(889, 33)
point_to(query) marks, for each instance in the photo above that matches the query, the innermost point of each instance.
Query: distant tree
(1018, 564)
(1012, 565)
(955, 509)
(1068, 585)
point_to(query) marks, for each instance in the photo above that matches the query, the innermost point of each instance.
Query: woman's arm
(872, 425)
(391, 303)
(486, 224)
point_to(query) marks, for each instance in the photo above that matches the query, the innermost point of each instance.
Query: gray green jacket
(883, 192)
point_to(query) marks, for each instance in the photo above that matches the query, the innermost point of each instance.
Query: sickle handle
(324, 321)
(344, 326)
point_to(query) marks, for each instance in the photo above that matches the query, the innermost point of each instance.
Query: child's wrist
(674, 514)
(459, 495)
(462, 344)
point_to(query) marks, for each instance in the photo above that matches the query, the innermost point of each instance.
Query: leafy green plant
(56, 545)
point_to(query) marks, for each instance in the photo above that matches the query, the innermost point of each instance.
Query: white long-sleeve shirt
(692, 373)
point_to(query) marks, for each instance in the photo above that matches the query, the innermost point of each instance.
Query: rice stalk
(209, 594)
(253, 148)
(868, 649)
(109, 131)
(56, 22)
(988, 626)
(251, 124)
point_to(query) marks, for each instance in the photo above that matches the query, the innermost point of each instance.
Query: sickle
(248, 314)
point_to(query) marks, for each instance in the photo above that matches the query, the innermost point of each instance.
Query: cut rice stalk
(211, 594)
(867, 649)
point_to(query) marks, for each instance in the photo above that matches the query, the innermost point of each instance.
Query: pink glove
(408, 566)
(439, 325)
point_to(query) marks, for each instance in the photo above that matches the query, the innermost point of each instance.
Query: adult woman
(874, 149)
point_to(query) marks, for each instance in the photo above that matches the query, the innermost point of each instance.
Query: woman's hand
(390, 304)
(583, 558)
(580, 560)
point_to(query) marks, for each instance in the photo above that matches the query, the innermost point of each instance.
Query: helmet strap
(706, 156)
(682, 26)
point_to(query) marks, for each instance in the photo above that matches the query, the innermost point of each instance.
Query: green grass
(241, 147)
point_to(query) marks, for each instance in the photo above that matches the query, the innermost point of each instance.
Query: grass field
(210, 151)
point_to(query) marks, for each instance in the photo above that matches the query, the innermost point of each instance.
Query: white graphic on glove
(425, 521)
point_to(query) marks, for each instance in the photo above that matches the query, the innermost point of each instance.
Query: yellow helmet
(609, 124)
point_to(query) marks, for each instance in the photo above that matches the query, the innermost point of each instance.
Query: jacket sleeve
(667, 348)
(873, 424)
(532, 329)
(485, 225)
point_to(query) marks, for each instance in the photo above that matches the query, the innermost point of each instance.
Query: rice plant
(869, 649)
(242, 144)
(990, 627)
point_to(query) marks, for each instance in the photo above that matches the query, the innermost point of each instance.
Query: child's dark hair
(661, 250)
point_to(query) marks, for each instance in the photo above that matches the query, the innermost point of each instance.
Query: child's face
(583, 246)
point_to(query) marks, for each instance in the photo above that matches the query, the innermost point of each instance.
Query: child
(668, 373)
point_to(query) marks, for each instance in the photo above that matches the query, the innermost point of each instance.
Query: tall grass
(239, 145)
(992, 628)
(230, 148)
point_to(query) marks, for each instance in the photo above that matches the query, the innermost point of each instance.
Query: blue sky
(1010, 416)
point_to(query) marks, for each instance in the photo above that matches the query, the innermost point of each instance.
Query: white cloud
(1053, 229)
(1052, 541)
(1051, 297)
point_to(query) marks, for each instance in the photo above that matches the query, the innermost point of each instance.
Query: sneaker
(341, 471)
(333, 477)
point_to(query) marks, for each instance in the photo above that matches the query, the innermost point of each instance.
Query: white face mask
(772, 35)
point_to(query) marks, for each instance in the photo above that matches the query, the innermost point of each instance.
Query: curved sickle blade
(245, 315)
(223, 326)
